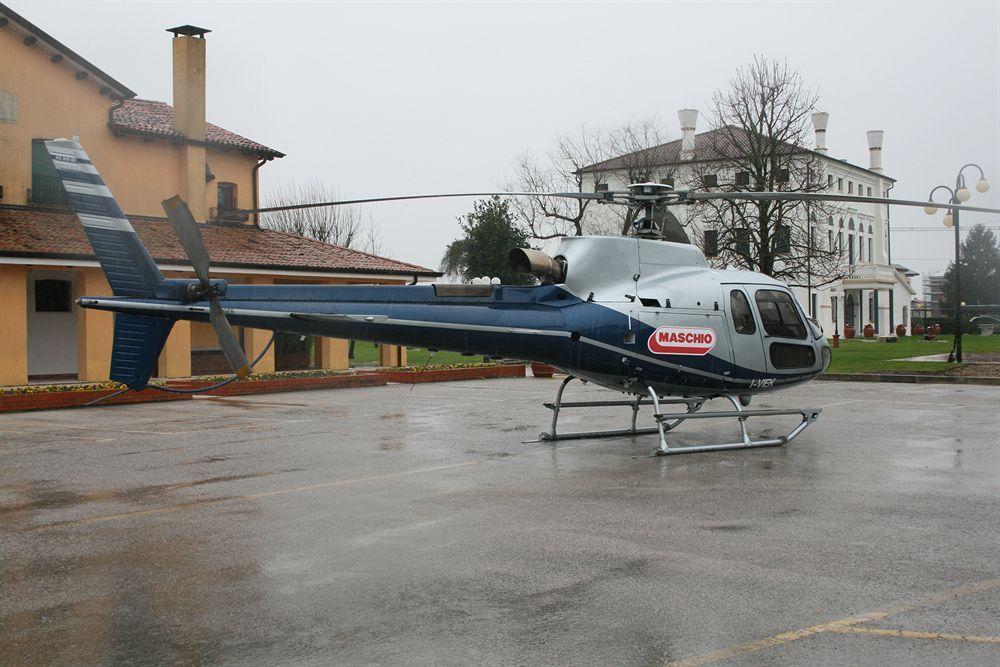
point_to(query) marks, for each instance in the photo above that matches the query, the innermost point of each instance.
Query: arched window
(841, 223)
(831, 221)
(850, 224)
(870, 229)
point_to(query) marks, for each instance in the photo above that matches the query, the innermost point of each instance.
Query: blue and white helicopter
(642, 316)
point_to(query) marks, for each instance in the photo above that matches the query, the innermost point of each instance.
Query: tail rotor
(187, 231)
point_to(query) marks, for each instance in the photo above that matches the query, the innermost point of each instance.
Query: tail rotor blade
(187, 231)
(227, 339)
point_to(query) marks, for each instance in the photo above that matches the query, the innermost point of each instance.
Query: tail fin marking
(127, 265)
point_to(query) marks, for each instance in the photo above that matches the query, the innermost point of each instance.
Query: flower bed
(481, 372)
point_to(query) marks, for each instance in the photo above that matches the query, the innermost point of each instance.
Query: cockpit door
(787, 337)
(744, 329)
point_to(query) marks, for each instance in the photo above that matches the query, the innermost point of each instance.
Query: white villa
(872, 289)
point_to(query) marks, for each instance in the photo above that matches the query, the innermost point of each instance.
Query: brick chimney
(189, 114)
(689, 121)
(875, 150)
(820, 119)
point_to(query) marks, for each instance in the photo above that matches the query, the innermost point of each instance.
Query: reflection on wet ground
(380, 525)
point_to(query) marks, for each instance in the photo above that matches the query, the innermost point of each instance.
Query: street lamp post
(959, 195)
(836, 320)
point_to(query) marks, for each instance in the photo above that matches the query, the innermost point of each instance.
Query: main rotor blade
(819, 196)
(190, 237)
(227, 339)
(605, 196)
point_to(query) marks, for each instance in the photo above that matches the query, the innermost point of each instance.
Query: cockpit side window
(742, 315)
(778, 314)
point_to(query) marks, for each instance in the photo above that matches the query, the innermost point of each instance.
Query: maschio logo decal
(682, 340)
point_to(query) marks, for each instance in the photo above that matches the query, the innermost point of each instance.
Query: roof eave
(122, 91)
(263, 152)
(424, 273)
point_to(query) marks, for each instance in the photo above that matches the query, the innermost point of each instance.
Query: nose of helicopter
(823, 353)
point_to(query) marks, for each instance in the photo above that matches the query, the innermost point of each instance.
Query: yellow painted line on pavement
(832, 626)
(918, 634)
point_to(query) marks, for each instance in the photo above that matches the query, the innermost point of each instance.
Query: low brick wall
(451, 374)
(48, 400)
(285, 384)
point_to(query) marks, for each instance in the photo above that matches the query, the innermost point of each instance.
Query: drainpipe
(256, 194)
(111, 111)
(888, 228)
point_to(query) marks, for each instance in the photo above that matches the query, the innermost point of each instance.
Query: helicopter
(639, 315)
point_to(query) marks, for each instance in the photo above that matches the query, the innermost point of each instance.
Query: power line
(942, 229)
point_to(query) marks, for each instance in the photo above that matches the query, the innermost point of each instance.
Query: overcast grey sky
(382, 99)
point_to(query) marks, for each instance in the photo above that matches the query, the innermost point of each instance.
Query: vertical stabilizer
(126, 263)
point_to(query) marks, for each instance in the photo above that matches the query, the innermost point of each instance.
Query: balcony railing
(871, 273)
(47, 190)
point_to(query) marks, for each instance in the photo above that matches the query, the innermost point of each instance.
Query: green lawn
(861, 356)
(367, 354)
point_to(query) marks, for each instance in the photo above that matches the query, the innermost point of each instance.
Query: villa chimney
(820, 119)
(875, 150)
(689, 121)
(189, 114)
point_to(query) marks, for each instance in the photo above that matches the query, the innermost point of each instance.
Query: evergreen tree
(980, 261)
(489, 234)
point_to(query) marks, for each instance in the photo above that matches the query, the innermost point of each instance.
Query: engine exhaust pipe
(538, 264)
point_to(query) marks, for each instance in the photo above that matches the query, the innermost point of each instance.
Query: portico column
(95, 329)
(391, 355)
(175, 359)
(254, 340)
(14, 328)
(332, 353)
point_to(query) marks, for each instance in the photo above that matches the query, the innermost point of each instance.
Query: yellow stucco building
(146, 152)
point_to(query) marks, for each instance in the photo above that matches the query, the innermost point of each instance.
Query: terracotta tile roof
(30, 232)
(152, 118)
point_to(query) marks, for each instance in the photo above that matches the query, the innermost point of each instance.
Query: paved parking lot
(385, 525)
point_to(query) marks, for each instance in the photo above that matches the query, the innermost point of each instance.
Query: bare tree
(761, 127)
(340, 225)
(588, 157)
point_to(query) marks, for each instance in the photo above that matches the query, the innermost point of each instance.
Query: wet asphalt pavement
(384, 525)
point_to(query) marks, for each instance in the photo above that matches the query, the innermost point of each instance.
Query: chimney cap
(189, 31)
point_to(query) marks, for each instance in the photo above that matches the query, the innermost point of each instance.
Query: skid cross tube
(693, 405)
(668, 421)
(808, 415)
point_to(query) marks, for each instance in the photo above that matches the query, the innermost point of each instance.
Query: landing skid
(668, 421)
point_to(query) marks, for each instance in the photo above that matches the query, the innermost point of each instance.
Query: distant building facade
(872, 290)
(934, 295)
(146, 151)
